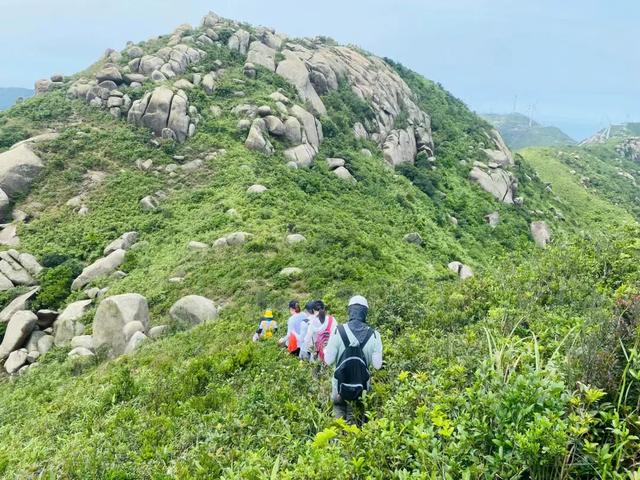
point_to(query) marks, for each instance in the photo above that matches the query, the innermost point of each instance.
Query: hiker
(355, 348)
(321, 326)
(296, 328)
(267, 326)
(305, 352)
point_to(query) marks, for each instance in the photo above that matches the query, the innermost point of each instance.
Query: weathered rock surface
(303, 155)
(493, 219)
(99, 268)
(18, 331)
(344, 174)
(164, 112)
(193, 310)
(125, 242)
(68, 326)
(295, 238)
(17, 304)
(111, 318)
(256, 189)
(291, 272)
(261, 54)
(541, 233)
(15, 361)
(19, 168)
(257, 139)
(498, 182)
(463, 271)
(137, 339)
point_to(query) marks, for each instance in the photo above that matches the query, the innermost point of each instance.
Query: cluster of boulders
(28, 336)
(630, 149)
(18, 269)
(337, 166)
(288, 122)
(151, 203)
(19, 168)
(314, 68)
(166, 112)
(47, 85)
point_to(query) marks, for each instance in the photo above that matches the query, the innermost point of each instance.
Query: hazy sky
(575, 62)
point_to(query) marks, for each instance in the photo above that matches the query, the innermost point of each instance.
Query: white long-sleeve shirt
(372, 350)
(313, 329)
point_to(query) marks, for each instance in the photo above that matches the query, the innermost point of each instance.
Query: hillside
(519, 131)
(613, 132)
(9, 95)
(232, 163)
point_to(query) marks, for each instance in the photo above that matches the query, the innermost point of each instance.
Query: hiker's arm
(331, 350)
(376, 358)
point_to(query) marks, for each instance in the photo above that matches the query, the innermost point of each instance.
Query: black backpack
(352, 372)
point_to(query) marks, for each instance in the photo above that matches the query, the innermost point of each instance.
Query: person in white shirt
(321, 327)
(296, 328)
(358, 333)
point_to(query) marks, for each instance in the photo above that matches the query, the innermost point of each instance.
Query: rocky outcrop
(125, 242)
(19, 168)
(232, 240)
(17, 304)
(499, 153)
(263, 55)
(18, 330)
(99, 268)
(400, 147)
(498, 182)
(68, 326)
(193, 310)
(258, 138)
(630, 149)
(164, 112)
(17, 269)
(112, 317)
(541, 233)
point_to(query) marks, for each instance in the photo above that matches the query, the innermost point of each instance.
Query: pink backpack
(323, 338)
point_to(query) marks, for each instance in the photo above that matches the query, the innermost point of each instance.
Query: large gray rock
(18, 330)
(68, 326)
(293, 130)
(460, 269)
(45, 344)
(112, 316)
(193, 310)
(261, 54)
(17, 304)
(257, 139)
(496, 181)
(84, 341)
(400, 147)
(9, 235)
(13, 270)
(311, 126)
(239, 41)
(110, 73)
(99, 268)
(15, 361)
(125, 242)
(303, 155)
(34, 338)
(541, 233)
(137, 339)
(81, 352)
(160, 110)
(295, 72)
(19, 168)
(344, 174)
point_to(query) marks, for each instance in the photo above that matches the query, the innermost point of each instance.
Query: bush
(55, 284)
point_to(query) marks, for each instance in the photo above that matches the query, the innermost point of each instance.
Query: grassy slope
(207, 403)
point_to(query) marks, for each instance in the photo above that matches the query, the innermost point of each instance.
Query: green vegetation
(519, 131)
(527, 370)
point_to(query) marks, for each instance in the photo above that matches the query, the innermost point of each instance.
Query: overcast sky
(574, 63)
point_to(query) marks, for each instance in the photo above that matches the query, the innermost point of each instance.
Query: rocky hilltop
(153, 205)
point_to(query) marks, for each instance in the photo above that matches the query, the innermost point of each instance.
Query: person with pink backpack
(321, 327)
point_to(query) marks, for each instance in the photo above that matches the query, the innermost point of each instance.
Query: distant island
(9, 95)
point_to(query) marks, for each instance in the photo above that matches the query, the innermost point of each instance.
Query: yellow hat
(268, 314)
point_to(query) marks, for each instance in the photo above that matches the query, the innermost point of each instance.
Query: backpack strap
(344, 336)
(370, 333)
